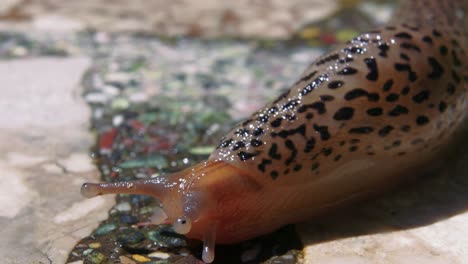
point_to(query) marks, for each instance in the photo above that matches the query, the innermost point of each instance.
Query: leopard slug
(358, 119)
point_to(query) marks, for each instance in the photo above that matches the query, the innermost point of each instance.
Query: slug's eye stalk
(157, 187)
(89, 190)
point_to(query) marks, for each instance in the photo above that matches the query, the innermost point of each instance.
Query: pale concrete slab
(44, 147)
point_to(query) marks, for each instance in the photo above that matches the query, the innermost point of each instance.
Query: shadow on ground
(435, 196)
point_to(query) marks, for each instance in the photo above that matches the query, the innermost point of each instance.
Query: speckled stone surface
(206, 18)
(44, 158)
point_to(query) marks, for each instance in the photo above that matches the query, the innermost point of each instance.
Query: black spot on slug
(274, 174)
(398, 110)
(291, 104)
(387, 85)
(290, 145)
(332, 57)
(410, 46)
(403, 35)
(272, 110)
(377, 111)
(361, 130)
(256, 143)
(257, 132)
(437, 69)
(345, 60)
(298, 167)
(355, 93)
(347, 71)
(392, 97)
(242, 132)
(335, 84)
(358, 92)
(353, 50)
(323, 131)
(286, 133)
(427, 39)
(290, 117)
(310, 144)
(344, 113)
(246, 155)
(308, 77)
(385, 131)
(383, 49)
(238, 145)
(443, 50)
(422, 120)
(314, 84)
(327, 151)
(263, 164)
(373, 74)
(273, 152)
(405, 57)
(405, 90)
(225, 143)
(353, 148)
(326, 98)
(401, 67)
(263, 118)
(319, 106)
(276, 122)
(421, 96)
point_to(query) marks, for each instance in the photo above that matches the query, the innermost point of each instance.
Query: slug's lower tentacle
(209, 241)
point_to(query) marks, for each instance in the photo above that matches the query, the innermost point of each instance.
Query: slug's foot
(209, 241)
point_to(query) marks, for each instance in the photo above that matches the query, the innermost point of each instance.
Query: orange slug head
(207, 201)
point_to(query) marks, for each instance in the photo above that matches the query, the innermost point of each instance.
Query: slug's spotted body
(394, 92)
(358, 119)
